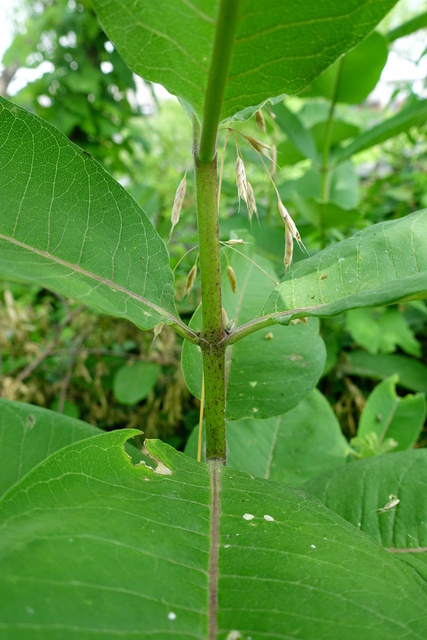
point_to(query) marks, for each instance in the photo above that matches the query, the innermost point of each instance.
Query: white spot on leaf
(269, 518)
(248, 516)
(171, 615)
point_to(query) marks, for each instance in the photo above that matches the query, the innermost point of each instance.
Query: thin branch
(25, 373)
(67, 378)
(266, 321)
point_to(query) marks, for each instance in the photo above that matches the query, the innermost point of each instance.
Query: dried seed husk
(283, 211)
(241, 179)
(289, 223)
(190, 279)
(224, 318)
(232, 278)
(260, 122)
(226, 323)
(251, 202)
(235, 241)
(259, 146)
(230, 326)
(157, 331)
(177, 203)
(304, 320)
(273, 160)
(289, 247)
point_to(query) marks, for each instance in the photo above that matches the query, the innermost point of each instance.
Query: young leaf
(93, 546)
(67, 225)
(389, 416)
(380, 265)
(305, 38)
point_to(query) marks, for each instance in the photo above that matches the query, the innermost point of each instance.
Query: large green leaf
(292, 448)
(92, 546)
(363, 493)
(67, 225)
(302, 38)
(29, 434)
(270, 371)
(389, 416)
(344, 81)
(380, 265)
(412, 373)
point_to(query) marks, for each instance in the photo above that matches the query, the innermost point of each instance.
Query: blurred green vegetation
(342, 164)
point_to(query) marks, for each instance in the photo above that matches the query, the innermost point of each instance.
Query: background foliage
(353, 177)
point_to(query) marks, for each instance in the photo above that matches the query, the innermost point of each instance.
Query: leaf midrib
(113, 286)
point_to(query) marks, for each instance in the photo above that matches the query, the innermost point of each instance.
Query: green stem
(205, 171)
(218, 72)
(325, 185)
(212, 333)
(265, 321)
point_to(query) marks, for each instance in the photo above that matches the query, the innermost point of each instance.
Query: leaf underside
(302, 37)
(67, 225)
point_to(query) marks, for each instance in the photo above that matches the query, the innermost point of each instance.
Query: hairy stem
(205, 171)
(212, 331)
